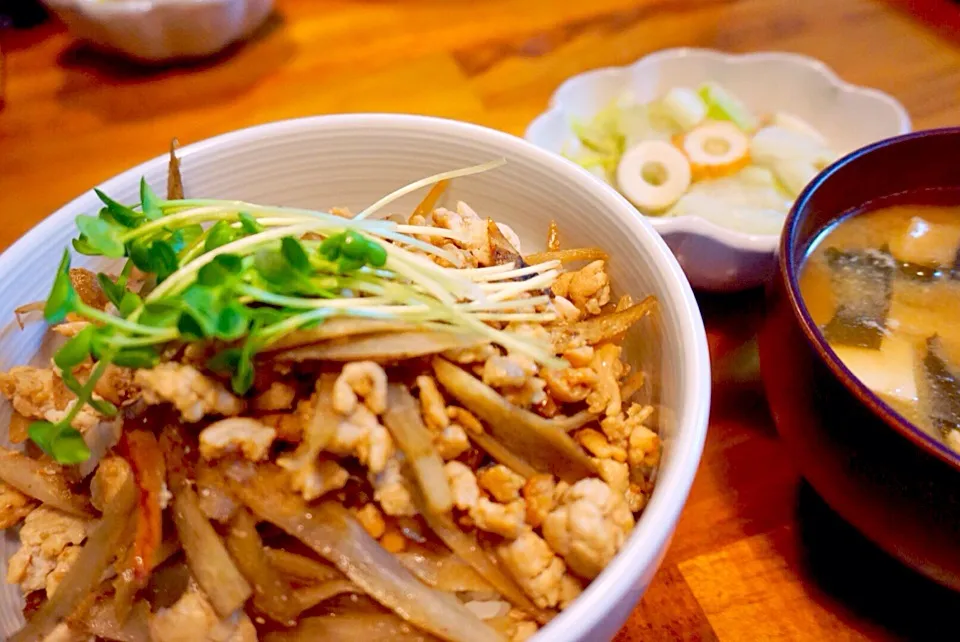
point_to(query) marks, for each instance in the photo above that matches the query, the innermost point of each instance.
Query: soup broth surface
(884, 287)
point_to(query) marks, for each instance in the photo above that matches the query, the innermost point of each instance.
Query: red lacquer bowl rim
(789, 262)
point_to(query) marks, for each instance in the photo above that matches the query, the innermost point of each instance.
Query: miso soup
(884, 287)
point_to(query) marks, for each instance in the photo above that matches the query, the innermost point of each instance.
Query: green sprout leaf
(149, 202)
(189, 329)
(163, 258)
(102, 236)
(68, 447)
(220, 234)
(345, 264)
(63, 297)
(261, 317)
(232, 322)
(249, 224)
(118, 213)
(242, 379)
(113, 290)
(295, 255)
(376, 254)
(222, 270)
(125, 274)
(42, 433)
(330, 247)
(225, 361)
(156, 257)
(211, 275)
(354, 246)
(139, 252)
(71, 382)
(274, 268)
(351, 251)
(201, 299)
(103, 406)
(238, 363)
(83, 246)
(202, 307)
(130, 302)
(109, 217)
(141, 357)
(161, 314)
(185, 237)
(232, 263)
(76, 350)
(207, 315)
(100, 342)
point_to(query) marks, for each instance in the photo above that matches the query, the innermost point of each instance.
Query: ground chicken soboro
(320, 429)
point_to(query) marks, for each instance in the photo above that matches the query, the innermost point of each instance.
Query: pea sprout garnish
(241, 276)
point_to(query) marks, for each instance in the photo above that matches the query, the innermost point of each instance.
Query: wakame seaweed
(942, 389)
(863, 281)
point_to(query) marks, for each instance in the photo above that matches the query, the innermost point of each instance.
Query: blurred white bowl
(716, 258)
(161, 30)
(352, 161)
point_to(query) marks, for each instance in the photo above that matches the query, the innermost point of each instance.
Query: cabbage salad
(701, 152)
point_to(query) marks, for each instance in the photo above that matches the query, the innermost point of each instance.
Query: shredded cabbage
(776, 143)
(749, 201)
(685, 107)
(794, 174)
(722, 105)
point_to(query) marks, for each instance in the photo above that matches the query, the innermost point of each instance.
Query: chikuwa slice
(653, 175)
(716, 149)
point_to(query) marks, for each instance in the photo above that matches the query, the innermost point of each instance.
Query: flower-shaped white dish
(716, 258)
(161, 30)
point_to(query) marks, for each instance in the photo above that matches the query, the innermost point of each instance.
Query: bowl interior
(353, 161)
(915, 168)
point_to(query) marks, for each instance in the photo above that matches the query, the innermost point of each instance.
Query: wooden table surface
(756, 555)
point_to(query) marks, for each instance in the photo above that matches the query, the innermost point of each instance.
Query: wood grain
(759, 580)
(756, 555)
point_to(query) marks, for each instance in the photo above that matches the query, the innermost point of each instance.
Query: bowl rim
(743, 241)
(791, 272)
(646, 545)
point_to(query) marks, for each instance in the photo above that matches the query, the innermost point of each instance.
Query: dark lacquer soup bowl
(891, 480)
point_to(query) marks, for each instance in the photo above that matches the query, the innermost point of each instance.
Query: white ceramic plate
(353, 161)
(161, 30)
(713, 257)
